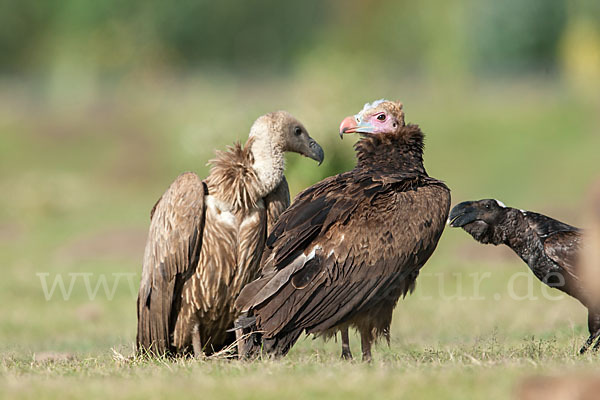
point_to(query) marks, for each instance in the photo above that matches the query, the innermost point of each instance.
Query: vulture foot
(590, 341)
(597, 345)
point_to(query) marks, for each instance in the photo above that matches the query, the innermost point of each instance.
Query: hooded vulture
(351, 245)
(207, 236)
(549, 247)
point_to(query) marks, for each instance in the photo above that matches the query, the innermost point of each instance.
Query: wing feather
(171, 254)
(561, 241)
(563, 249)
(366, 237)
(545, 226)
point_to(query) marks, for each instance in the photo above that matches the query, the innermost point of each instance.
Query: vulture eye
(297, 131)
(381, 117)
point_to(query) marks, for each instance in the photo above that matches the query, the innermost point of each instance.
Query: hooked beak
(462, 214)
(354, 124)
(315, 151)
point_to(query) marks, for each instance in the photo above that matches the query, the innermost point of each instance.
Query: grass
(79, 180)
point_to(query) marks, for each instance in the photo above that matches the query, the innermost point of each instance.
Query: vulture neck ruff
(233, 180)
(400, 151)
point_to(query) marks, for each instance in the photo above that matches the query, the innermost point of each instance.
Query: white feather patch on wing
(312, 253)
(281, 278)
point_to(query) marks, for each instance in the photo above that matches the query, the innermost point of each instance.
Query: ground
(79, 178)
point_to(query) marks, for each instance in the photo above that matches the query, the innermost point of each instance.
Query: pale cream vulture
(207, 236)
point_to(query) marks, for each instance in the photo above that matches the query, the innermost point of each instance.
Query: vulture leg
(242, 343)
(594, 328)
(589, 342)
(196, 342)
(346, 353)
(597, 345)
(366, 338)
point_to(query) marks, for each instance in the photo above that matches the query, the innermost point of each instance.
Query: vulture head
(481, 219)
(377, 118)
(286, 133)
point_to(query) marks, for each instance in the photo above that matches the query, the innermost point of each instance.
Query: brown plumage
(348, 247)
(206, 239)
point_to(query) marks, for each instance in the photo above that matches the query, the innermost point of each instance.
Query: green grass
(78, 182)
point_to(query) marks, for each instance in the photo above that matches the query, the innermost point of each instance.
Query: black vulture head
(481, 219)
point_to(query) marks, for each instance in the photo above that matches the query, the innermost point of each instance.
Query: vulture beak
(315, 151)
(355, 124)
(462, 214)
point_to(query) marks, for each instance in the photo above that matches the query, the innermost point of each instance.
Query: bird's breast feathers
(224, 213)
(220, 211)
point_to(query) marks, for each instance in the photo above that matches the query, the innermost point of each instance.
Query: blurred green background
(104, 103)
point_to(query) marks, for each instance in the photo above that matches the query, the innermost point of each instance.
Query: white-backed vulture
(207, 236)
(349, 246)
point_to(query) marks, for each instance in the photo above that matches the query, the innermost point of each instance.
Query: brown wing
(171, 254)
(561, 241)
(563, 249)
(545, 226)
(343, 245)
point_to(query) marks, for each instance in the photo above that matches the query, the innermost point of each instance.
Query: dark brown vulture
(206, 239)
(549, 247)
(348, 247)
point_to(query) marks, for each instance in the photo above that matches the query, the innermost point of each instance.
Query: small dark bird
(349, 246)
(549, 247)
(207, 236)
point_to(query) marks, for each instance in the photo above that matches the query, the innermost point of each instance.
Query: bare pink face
(372, 121)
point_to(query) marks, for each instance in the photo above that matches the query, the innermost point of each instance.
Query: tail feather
(253, 344)
(281, 344)
(151, 337)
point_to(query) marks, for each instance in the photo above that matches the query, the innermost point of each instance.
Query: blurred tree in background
(517, 35)
(187, 77)
(112, 38)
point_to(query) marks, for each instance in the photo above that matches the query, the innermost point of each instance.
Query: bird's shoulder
(177, 220)
(563, 248)
(545, 226)
(561, 241)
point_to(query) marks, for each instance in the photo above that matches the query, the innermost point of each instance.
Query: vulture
(206, 239)
(549, 247)
(349, 246)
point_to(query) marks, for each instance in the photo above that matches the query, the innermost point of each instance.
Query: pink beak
(348, 125)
